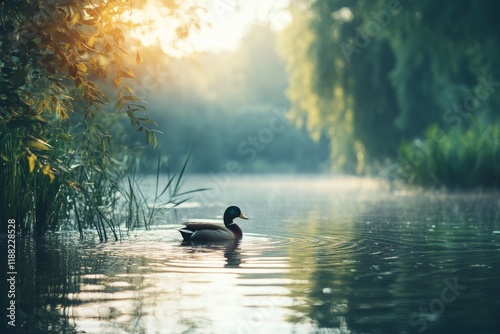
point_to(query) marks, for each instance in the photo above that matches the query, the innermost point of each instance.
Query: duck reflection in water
(231, 249)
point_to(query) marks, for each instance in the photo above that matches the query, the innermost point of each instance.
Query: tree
(53, 54)
(374, 73)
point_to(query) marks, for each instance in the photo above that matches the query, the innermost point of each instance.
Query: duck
(201, 231)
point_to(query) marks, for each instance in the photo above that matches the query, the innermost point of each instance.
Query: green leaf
(128, 89)
(130, 114)
(131, 98)
(18, 78)
(146, 120)
(120, 104)
(64, 136)
(155, 140)
(37, 144)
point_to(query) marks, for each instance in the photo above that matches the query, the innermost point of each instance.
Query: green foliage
(61, 157)
(31, 193)
(455, 158)
(374, 73)
(345, 97)
(49, 47)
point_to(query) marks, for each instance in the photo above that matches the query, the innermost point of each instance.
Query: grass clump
(456, 158)
(72, 182)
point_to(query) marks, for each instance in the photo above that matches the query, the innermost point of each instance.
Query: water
(319, 255)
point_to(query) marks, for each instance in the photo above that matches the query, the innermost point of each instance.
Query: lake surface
(319, 255)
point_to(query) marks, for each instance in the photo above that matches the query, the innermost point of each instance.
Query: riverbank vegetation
(371, 88)
(455, 158)
(378, 75)
(65, 72)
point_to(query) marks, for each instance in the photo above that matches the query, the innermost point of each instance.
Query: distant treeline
(231, 108)
(257, 140)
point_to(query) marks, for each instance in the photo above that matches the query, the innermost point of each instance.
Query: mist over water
(319, 255)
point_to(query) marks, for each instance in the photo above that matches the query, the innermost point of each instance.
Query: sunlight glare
(223, 24)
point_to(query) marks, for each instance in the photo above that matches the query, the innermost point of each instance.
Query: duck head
(231, 213)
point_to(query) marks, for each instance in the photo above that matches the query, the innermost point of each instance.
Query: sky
(230, 18)
(227, 23)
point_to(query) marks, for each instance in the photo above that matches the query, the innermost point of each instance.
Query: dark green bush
(456, 158)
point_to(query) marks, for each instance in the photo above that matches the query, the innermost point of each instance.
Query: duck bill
(242, 216)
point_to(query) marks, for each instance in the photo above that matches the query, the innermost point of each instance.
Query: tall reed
(142, 208)
(57, 186)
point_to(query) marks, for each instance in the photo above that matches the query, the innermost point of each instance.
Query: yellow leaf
(42, 106)
(82, 67)
(81, 48)
(73, 185)
(128, 89)
(108, 48)
(31, 162)
(75, 19)
(138, 58)
(91, 41)
(61, 112)
(47, 170)
(127, 73)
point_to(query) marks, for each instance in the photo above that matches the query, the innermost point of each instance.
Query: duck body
(202, 231)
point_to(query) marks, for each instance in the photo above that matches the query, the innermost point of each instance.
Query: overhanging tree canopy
(56, 58)
(371, 73)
